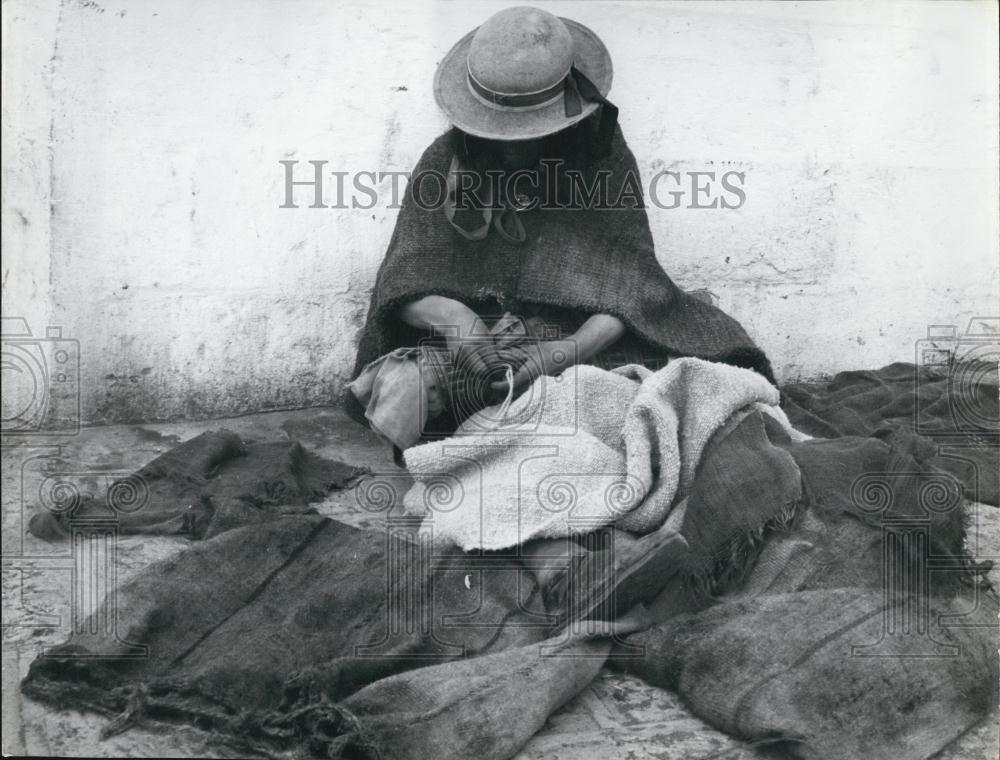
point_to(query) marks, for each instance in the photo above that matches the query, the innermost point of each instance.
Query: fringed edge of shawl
(732, 563)
(325, 728)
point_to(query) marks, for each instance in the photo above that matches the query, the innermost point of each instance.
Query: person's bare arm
(440, 312)
(596, 334)
(437, 311)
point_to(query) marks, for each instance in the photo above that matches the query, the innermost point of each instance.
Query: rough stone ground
(616, 717)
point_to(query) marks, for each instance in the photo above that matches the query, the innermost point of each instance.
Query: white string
(509, 377)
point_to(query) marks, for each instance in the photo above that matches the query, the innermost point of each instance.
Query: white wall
(142, 184)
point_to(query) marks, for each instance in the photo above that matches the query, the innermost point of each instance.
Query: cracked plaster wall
(142, 185)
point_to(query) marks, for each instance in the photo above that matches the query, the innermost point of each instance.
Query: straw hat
(523, 74)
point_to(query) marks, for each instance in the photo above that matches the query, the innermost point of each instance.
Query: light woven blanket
(578, 451)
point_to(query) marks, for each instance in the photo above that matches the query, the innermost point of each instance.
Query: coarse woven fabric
(857, 628)
(953, 408)
(817, 672)
(255, 633)
(591, 260)
(200, 488)
(746, 484)
(250, 633)
(584, 449)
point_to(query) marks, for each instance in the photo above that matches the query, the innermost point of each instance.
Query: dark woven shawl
(595, 261)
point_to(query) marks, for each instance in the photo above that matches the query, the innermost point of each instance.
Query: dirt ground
(617, 716)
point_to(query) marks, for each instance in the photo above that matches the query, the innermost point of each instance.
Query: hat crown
(520, 50)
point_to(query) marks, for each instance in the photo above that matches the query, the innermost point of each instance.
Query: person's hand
(548, 357)
(473, 355)
(553, 356)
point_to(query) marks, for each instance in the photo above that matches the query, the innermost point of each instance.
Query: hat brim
(470, 114)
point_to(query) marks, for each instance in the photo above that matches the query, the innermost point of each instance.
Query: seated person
(522, 245)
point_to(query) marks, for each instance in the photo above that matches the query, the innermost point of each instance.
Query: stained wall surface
(142, 183)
